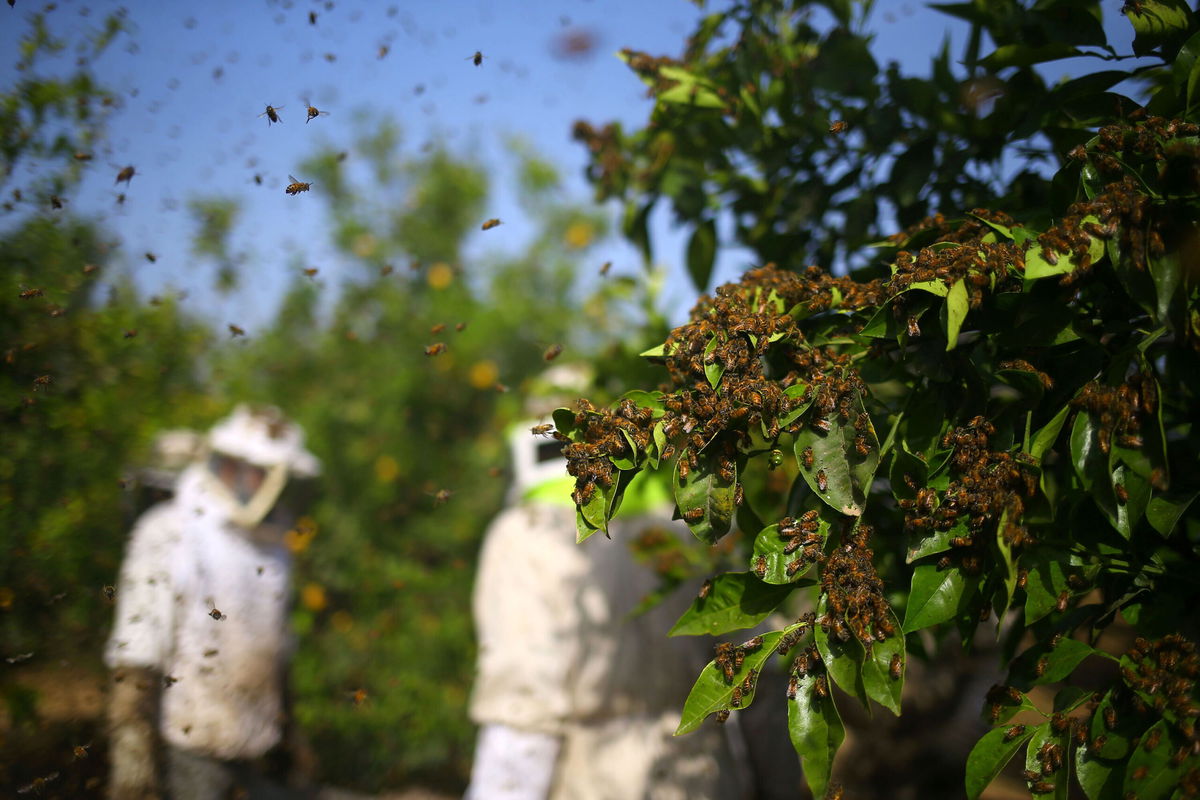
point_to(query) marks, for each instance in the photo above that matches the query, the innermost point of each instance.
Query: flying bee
(29, 294)
(386, 270)
(272, 114)
(460, 327)
(312, 18)
(130, 334)
(81, 750)
(382, 52)
(895, 666)
(605, 268)
(435, 349)
(313, 112)
(126, 174)
(56, 201)
(822, 481)
(839, 126)
(477, 58)
(807, 457)
(543, 429)
(216, 614)
(296, 186)
(311, 272)
(83, 156)
(153, 259)
(235, 331)
(552, 352)
(442, 496)
(109, 592)
(489, 224)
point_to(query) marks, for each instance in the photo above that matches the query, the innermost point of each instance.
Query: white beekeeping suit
(576, 699)
(199, 640)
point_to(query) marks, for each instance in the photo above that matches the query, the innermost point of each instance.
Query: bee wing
(292, 178)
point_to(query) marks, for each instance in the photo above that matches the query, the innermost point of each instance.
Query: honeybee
(41, 380)
(552, 352)
(109, 592)
(153, 259)
(130, 334)
(235, 331)
(272, 114)
(312, 18)
(722, 715)
(860, 446)
(29, 294)
(442, 496)
(697, 514)
(358, 696)
(1013, 732)
(605, 268)
(821, 687)
(705, 589)
(543, 429)
(56, 201)
(126, 174)
(822, 481)
(436, 329)
(793, 685)
(81, 750)
(460, 327)
(1121, 492)
(88, 269)
(895, 667)
(216, 614)
(489, 224)
(313, 112)
(838, 126)
(437, 348)
(807, 457)
(760, 565)
(383, 51)
(477, 58)
(311, 272)
(386, 270)
(169, 681)
(83, 156)
(821, 424)
(296, 186)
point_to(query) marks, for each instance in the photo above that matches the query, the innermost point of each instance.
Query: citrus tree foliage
(992, 418)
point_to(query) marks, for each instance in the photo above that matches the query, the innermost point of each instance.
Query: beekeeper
(200, 638)
(576, 698)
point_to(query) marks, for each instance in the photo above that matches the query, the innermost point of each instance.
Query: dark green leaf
(1045, 580)
(736, 600)
(989, 755)
(937, 596)
(1156, 22)
(1044, 439)
(1150, 774)
(1100, 778)
(1053, 663)
(1060, 779)
(711, 692)
(1163, 513)
(703, 489)
(1023, 55)
(877, 668)
(847, 475)
(816, 731)
(956, 311)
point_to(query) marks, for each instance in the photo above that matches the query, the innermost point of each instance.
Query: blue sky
(195, 76)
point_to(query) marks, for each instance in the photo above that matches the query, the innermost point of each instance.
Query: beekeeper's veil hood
(256, 458)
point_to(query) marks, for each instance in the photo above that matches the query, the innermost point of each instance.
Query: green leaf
(843, 660)
(936, 542)
(937, 596)
(1100, 778)
(1045, 580)
(1163, 513)
(713, 370)
(701, 253)
(1092, 467)
(654, 352)
(877, 670)
(690, 90)
(564, 420)
(711, 693)
(1116, 743)
(1056, 662)
(1044, 439)
(989, 755)
(816, 731)
(1059, 779)
(847, 475)
(1150, 774)
(957, 305)
(583, 528)
(736, 600)
(703, 489)
(769, 546)
(1156, 22)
